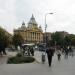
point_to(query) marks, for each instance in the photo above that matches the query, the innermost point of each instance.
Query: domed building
(32, 33)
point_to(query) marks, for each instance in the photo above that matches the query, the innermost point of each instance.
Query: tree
(73, 41)
(58, 38)
(68, 39)
(4, 41)
(17, 40)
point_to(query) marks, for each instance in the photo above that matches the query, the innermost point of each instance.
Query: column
(31, 36)
(37, 37)
(34, 36)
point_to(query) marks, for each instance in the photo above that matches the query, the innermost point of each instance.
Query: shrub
(19, 55)
(22, 59)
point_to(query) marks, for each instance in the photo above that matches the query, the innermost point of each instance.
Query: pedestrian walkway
(63, 67)
(38, 56)
(3, 59)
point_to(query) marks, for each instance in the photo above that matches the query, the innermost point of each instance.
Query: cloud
(7, 14)
(62, 18)
(13, 12)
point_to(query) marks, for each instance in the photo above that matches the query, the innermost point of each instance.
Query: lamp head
(50, 13)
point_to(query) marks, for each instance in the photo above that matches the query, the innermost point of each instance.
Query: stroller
(43, 58)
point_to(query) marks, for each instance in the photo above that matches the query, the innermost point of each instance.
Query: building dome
(40, 28)
(32, 23)
(23, 27)
(23, 23)
(32, 20)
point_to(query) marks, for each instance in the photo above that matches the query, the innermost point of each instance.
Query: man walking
(50, 53)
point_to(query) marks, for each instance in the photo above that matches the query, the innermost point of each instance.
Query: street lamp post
(45, 30)
(43, 56)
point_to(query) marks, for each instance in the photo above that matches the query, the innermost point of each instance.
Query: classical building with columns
(32, 33)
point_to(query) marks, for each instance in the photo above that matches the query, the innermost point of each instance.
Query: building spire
(32, 20)
(32, 17)
(23, 23)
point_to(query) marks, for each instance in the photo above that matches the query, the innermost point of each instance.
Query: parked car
(41, 47)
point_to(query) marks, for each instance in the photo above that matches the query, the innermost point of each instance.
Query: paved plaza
(63, 67)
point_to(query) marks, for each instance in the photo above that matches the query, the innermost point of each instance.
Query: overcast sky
(14, 12)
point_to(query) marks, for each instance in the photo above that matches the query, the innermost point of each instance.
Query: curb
(36, 60)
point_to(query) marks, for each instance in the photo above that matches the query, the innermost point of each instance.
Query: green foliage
(69, 40)
(62, 40)
(17, 40)
(73, 41)
(4, 41)
(58, 38)
(20, 60)
(19, 55)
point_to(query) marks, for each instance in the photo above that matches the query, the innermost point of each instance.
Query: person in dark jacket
(50, 53)
(32, 51)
